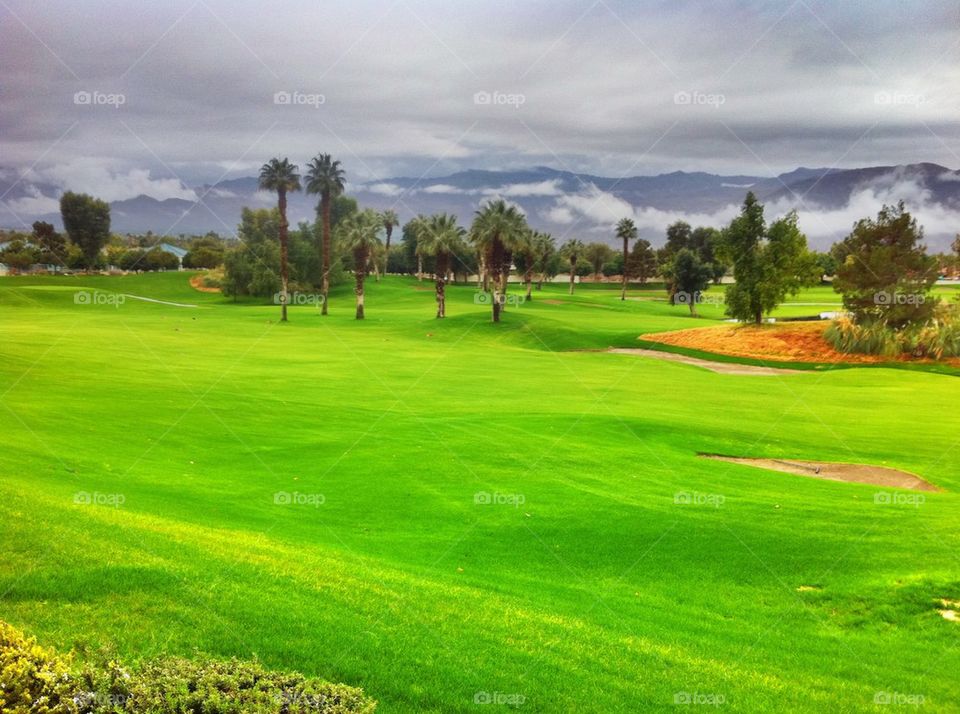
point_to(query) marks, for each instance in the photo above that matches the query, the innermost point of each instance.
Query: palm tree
(390, 221)
(544, 249)
(627, 231)
(496, 228)
(281, 176)
(359, 235)
(415, 227)
(525, 254)
(442, 238)
(572, 250)
(325, 177)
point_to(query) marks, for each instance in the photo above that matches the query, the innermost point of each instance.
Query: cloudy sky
(129, 97)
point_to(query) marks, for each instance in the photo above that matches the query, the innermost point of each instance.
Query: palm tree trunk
(420, 268)
(623, 289)
(284, 294)
(528, 278)
(359, 291)
(573, 271)
(325, 284)
(441, 299)
(386, 252)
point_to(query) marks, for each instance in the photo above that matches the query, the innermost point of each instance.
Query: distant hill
(562, 202)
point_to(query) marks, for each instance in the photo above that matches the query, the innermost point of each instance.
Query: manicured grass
(584, 586)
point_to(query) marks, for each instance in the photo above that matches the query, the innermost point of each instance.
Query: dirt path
(853, 473)
(718, 367)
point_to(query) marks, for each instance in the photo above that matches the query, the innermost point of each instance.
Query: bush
(182, 686)
(35, 679)
(32, 678)
(938, 338)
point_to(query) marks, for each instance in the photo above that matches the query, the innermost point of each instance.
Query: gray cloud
(771, 85)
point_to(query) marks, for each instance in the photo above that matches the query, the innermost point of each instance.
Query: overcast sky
(150, 92)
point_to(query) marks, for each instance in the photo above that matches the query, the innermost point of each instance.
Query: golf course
(462, 515)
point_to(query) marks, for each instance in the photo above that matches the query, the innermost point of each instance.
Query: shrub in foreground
(938, 338)
(32, 678)
(36, 679)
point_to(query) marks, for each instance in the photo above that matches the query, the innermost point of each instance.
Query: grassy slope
(598, 593)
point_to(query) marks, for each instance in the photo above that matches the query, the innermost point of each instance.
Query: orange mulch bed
(784, 342)
(196, 282)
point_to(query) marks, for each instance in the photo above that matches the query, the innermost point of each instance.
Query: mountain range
(565, 203)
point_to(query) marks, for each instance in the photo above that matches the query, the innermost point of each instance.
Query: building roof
(176, 250)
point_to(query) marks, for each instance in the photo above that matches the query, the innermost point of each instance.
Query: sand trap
(853, 473)
(718, 367)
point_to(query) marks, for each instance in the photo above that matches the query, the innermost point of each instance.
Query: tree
(87, 222)
(689, 276)
(18, 255)
(442, 238)
(359, 236)
(496, 228)
(887, 274)
(826, 264)
(525, 258)
(597, 254)
(626, 231)
(545, 257)
(389, 220)
(250, 268)
(283, 177)
(642, 261)
(51, 244)
(572, 250)
(678, 237)
(768, 263)
(705, 242)
(326, 178)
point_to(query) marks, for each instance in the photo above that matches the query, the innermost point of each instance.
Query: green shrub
(873, 338)
(938, 338)
(33, 678)
(37, 680)
(184, 686)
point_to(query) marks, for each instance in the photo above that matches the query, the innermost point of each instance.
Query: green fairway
(450, 513)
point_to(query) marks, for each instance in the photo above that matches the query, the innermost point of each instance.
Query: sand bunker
(719, 367)
(854, 473)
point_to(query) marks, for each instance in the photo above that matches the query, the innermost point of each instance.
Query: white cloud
(108, 183)
(384, 189)
(539, 188)
(600, 210)
(34, 204)
(443, 188)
